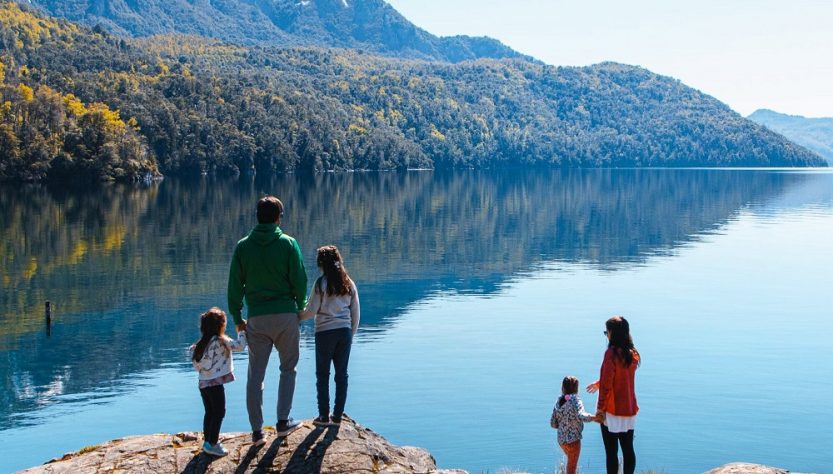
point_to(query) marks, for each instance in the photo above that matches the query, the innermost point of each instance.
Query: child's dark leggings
(611, 451)
(214, 400)
(332, 346)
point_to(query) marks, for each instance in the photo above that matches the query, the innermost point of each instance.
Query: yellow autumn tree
(26, 92)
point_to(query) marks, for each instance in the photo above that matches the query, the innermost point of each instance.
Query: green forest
(371, 25)
(816, 134)
(85, 103)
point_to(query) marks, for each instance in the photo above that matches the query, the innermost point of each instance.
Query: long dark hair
(569, 386)
(211, 322)
(621, 341)
(338, 282)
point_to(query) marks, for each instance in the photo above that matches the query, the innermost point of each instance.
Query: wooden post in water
(48, 318)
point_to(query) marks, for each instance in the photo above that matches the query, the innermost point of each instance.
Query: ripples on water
(480, 291)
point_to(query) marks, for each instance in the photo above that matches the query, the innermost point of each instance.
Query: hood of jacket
(265, 234)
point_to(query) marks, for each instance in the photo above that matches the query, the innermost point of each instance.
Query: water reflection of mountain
(131, 267)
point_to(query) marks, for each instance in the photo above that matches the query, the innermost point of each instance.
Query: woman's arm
(355, 309)
(606, 375)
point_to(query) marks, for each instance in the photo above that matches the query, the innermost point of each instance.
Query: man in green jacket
(267, 271)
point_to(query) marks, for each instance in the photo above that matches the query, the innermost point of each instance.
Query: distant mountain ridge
(372, 25)
(815, 134)
(83, 102)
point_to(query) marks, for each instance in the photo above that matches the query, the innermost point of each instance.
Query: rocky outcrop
(349, 447)
(744, 468)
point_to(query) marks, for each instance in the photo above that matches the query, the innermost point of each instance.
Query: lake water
(480, 291)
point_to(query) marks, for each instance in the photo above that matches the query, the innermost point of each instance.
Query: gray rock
(745, 468)
(310, 449)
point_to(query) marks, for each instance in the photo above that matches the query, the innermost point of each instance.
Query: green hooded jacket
(267, 269)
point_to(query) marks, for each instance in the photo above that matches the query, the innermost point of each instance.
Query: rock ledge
(349, 447)
(745, 468)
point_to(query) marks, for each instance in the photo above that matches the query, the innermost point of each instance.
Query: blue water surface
(480, 291)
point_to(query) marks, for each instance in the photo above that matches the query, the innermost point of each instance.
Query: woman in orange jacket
(617, 406)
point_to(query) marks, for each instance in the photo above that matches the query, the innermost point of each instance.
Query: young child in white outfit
(211, 356)
(568, 417)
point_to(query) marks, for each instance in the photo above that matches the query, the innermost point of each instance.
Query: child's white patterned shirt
(216, 362)
(569, 419)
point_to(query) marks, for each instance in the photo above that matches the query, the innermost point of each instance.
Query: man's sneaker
(285, 427)
(321, 421)
(257, 438)
(214, 450)
(335, 420)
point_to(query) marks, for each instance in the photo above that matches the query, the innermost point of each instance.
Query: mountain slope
(202, 105)
(814, 133)
(372, 25)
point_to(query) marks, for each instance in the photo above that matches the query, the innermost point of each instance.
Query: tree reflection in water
(124, 264)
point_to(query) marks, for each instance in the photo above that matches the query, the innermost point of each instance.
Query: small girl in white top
(568, 417)
(335, 305)
(211, 356)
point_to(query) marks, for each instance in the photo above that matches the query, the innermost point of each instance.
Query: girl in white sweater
(211, 356)
(335, 305)
(568, 417)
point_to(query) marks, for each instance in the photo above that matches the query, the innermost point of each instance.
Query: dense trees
(814, 133)
(200, 105)
(372, 25)
(46, 134)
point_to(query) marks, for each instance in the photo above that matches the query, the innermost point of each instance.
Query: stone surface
(310, 449)
(349, 448)
(744, 468)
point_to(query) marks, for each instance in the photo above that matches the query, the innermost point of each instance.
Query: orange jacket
(616, 386)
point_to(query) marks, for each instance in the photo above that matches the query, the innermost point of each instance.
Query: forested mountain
(372, 25)
(202, 105)
(814, 133)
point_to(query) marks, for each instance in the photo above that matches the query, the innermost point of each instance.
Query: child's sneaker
(220, 449)
(214, 450)
(285, 427)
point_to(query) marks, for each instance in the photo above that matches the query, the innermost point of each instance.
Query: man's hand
(240, 327)
(593, 387)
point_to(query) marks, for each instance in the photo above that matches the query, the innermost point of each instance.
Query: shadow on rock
(309, 455)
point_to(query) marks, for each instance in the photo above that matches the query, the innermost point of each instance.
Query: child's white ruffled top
(569, 419)
(216, 363)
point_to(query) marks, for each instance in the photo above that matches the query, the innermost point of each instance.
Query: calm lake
(480, 291)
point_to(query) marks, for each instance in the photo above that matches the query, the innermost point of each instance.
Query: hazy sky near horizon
(750, 54)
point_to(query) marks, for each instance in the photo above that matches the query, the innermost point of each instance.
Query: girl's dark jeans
(332, 346)
(214, 400)
(611, 451)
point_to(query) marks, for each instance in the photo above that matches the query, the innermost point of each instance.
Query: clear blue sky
(748, 53)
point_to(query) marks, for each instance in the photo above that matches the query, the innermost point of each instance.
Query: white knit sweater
(216, 361)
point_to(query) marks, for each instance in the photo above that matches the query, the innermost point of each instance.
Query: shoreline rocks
(746, 468)
(349, 447)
